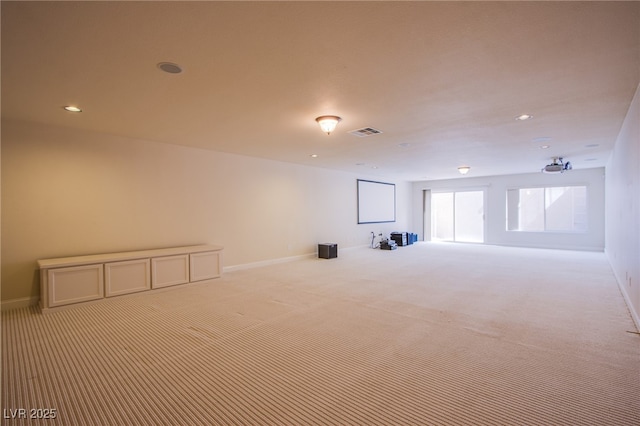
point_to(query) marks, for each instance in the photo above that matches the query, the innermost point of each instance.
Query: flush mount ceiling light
(524, 117)
(328, 123)
(464, 169)
(170, 67)
(72, 108)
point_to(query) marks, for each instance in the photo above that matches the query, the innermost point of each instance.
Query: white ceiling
(443, 81)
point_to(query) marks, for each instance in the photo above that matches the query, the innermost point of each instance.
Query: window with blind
(547, 209)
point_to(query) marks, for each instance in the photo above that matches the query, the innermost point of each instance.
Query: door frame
(426, 209)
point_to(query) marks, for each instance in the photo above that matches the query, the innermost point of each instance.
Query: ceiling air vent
(365, 131)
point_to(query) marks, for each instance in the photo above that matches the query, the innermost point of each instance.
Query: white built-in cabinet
(204, 265)
(73, 284)
(129, 276)
(70, 280)
(170, 270)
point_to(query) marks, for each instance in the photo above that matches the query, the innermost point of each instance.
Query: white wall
(67, 192)
(622, 243)
(495, 219)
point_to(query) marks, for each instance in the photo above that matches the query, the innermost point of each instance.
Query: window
(552, 209)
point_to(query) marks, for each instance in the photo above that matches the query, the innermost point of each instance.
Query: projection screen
(376, 202)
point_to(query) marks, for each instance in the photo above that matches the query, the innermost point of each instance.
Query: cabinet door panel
(169, 270)
(75, 284)
(205, 265)
(127, 277)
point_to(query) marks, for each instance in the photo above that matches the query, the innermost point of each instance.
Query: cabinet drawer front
(75, 284)
(205, 265)
(127, 277)
(170, 270)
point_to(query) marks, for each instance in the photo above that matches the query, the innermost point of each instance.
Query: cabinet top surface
(128, 255)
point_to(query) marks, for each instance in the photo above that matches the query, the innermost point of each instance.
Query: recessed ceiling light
(523, 117)
(314, 156)
(374, 167)
(72, 108)
(170, 67)
(541, 139)
(545, 146)
(404, 145)
(592, 145)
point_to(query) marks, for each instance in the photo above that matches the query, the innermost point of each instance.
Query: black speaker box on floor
(327, 250)
(400, 238)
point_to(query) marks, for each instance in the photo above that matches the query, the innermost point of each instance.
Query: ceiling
(443, 81)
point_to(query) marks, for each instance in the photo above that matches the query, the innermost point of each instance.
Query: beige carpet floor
(429, 334)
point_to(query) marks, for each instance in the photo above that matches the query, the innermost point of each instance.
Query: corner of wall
(622, 209)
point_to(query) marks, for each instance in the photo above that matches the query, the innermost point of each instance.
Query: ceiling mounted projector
(557, 166)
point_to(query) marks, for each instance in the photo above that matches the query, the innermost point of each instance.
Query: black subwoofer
(327, 250)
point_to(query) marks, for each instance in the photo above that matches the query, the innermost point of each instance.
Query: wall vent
(365, 131)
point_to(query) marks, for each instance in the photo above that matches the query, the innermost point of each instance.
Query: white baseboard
(23, 302)
(266, 262)
(278, 260)
(549, 247)
(627, 300)
(635, 316)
